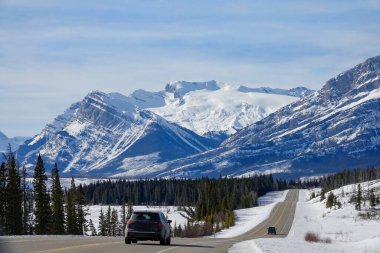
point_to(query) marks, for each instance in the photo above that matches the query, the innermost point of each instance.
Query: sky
(53, 53)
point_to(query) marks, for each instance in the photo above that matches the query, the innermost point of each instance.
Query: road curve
(281, 217)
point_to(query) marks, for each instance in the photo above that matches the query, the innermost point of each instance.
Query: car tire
(168, 241)
(128, 241)
(134, 241)
(162, 241)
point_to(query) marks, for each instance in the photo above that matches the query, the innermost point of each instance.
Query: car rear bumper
(138, 235)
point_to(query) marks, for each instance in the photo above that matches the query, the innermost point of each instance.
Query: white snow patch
(248, 218)
(347, 231)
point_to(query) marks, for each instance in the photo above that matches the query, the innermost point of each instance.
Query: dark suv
(148, 225)
(272, 230)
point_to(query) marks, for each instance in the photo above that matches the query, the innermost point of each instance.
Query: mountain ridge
(334, 128)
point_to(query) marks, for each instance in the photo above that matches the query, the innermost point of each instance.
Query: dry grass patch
(313, 237)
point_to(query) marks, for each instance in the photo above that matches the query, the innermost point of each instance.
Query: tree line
(38, 210)
(206, 203)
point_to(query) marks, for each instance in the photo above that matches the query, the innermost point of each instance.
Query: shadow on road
(180, 245)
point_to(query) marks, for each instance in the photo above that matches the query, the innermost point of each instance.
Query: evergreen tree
(323, 194)
(80, 202)
(102, 223)
(27, 202)
(123, 221)
(108, 222)
(57, 208)
(114, 223)
(130, 210)
(42, 211)
(92, 228)
(330, 200)
(71, 218)
(358, 200)
(3, 185)
(13, 197)
(372, 198)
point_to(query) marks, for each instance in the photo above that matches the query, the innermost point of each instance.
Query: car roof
(147, 211)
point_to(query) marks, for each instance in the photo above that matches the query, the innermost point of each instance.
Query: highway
(281, 217)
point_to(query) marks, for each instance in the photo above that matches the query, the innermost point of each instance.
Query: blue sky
(52, 53)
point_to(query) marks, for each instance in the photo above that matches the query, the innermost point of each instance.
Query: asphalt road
(281, 217)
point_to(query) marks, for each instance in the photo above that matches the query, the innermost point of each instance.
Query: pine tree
(71, 218)
(13, 193)
(42, 211)
(3, 184)
(102, 223)
(108, 222)
(372, 198)
(57, 208)
(130, 210)
(27, 200)
(92, 228)
(114, 223)
(322, 194)
(330, 200)
(80, 202)
(123, 221)
(358, 200)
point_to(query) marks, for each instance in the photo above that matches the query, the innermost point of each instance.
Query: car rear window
(145, 217)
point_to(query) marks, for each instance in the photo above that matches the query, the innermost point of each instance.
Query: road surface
(281, 217)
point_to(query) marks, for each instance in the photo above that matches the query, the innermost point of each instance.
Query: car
(272, 230)
(148, 226)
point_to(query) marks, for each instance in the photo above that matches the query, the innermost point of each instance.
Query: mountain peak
(363, 77)
(180, 88)
(3, 136)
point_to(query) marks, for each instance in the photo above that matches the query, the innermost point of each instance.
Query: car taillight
(130, 222)
(158, 224)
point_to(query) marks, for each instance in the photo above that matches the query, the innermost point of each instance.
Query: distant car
(148, 226)
(272, 231)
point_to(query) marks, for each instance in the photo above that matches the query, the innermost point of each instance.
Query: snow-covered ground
(170, 211)
(347, 231)
(248, 218)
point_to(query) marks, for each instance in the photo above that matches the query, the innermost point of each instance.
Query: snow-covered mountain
(108, 134)
(105, 134)
(15, 142)
(337, 127)
(212, 108)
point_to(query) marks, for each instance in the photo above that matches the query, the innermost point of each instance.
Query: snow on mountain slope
(337, 127)
(15, 142)
(347, 231)
(220, 108)
(113, 134)
(212, 108)
(106, 134)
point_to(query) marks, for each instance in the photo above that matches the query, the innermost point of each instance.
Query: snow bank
(346, 230)
(247, 219)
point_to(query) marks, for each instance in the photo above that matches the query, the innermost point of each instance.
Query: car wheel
(134, 241)
(127, 241)
(162, 241)
(168, 241)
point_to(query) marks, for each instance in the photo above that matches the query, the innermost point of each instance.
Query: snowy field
(170, 211)
(347, 231)
(248, 218)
